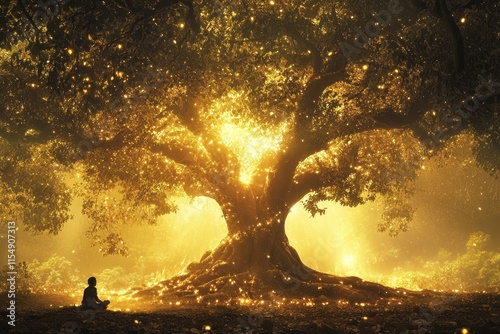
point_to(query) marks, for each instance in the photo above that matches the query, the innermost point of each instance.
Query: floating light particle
(465, 330)
(119, 46)
(365, 67)
(207, 328)
(136, 321)
(182, 25)
(70, 51)
(462, 20)
(271, 3)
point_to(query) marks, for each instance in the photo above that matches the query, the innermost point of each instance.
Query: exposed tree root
(229, 273)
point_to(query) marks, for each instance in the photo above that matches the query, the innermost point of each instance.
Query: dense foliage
(256, 104)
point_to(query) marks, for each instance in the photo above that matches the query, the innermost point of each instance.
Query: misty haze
(216, 166)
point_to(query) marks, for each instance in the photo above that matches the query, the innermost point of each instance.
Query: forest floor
(431, 313)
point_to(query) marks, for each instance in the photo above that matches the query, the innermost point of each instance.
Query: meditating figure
(90, 299)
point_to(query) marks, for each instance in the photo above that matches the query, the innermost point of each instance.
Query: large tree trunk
(258, 249)
(255, 260)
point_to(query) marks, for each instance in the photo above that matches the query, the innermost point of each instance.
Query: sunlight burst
(251, 144)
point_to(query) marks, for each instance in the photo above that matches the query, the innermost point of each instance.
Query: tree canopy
(256, 104)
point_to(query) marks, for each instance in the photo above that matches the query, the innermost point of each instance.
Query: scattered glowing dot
(464, 330)
(462, 20)
(479, 208)
(207, 328)
(119, 46)
(182, 25)
(136, 321)
(70, 51)
(365, 67)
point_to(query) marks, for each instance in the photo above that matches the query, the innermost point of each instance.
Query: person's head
(92, 281)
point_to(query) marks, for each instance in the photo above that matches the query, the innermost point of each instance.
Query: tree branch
(303, 185)
(441, 11)
(178, 153)
(456, 36)
(316, 59)
(388, 118)
(300, 145)
(220, 154)
(28, 16)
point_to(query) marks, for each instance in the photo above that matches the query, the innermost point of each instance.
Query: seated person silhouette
(90, 300)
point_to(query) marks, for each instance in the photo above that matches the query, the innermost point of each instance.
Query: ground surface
(431, 313)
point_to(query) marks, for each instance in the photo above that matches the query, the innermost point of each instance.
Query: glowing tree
(258, 105)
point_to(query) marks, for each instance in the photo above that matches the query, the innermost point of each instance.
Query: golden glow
(251, 144)
(348, 260)
(247, 139)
